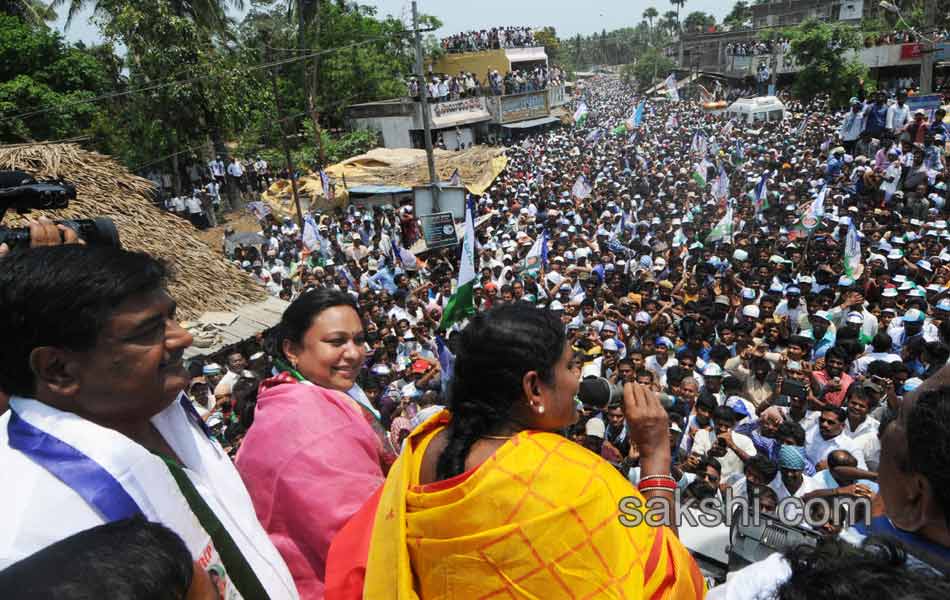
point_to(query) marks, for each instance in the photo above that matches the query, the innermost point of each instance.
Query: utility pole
(424, 100)
(283, 138)
(928, 49)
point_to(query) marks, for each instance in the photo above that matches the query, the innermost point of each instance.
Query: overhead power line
(189, 81)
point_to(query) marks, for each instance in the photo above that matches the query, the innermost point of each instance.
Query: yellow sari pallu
(539, 519)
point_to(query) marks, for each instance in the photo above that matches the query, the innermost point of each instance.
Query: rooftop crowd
(443, 88)
(773, 299)
(757, 47)
(489, 39)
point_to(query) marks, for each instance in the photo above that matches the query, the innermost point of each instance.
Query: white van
(756, 110)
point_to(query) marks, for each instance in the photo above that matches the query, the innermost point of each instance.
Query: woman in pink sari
(312, 457)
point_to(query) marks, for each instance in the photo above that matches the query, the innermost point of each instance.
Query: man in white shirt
(861, 428)
(729, 448)
(661, 361)
(852, 125)
(235, 181)
(791, 480)
(176, 205)
(216, 166)
(828, 436)
(898, 115)
(195, 212)
(263, 176)
(880, 349)
(213, 188)
(98, 428)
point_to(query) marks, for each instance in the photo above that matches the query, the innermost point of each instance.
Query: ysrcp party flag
(671, 87)
(852, 253)
(462, 303)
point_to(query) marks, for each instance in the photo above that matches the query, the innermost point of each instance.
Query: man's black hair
(881, 342)
(724, 413)
(835, 570)
(708, 402)
(928, 442)
(763, 465)
(130, 559)
(63, 296)
(789, 429)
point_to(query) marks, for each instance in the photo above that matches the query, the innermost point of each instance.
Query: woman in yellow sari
(487, 501)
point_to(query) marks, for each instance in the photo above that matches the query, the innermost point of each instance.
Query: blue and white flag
(637, 118)
(311, 236)
(761, 193)
(670, 83)
(327, 186)
(801, 127)
(699, 145)
(720, 188)
(581, 188)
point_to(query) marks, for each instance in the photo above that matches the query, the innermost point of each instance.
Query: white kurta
(41, 509)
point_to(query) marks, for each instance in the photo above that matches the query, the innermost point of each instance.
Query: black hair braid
(470, 421)
(495, 351)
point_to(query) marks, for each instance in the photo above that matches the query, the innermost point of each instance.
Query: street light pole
(928, 47)
(424, 101)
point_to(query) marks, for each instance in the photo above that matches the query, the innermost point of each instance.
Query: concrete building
(480, 63)
(889, 64)
(459, 123)
(786, 13)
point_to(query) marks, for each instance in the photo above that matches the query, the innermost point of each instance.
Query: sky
(568, 17)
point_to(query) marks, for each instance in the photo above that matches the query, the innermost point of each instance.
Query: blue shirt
(833, 169)
(875, 118)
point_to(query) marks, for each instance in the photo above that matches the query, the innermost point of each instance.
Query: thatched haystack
(203, 280)
(477, 166)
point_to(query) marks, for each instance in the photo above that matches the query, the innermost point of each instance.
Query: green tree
(45, 84)
(698, 22)
(651, 65)
(547, 37)
(670, 22)
(740, 14)
(207, 14)
(827, 64)
(678, 4)
(31, 11)
(649, 14)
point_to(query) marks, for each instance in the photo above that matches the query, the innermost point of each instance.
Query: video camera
(23, 193)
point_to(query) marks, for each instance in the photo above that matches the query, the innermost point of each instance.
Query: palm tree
(211, 15)
(650, 14)
(670, 21)
(678, 4)
(307, 13)
(31, 11)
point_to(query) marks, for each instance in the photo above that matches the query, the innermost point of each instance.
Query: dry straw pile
(202, 280)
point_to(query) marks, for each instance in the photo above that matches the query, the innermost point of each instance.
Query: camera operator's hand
(46, 233)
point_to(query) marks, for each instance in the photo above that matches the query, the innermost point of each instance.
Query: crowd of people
(758, 47)
(772, 301)
(489, 39)
(443, 88)
(904, 37)
(232, 179)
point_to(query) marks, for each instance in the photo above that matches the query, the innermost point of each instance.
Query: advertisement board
(438, 229)
(456, 112)
(521, 107)
(451, 199)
